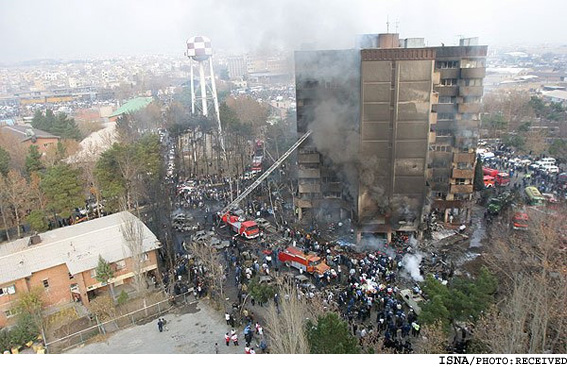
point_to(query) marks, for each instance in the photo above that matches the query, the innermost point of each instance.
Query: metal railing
(138, 317)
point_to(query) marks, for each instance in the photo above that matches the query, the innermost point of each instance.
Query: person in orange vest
(227, 339)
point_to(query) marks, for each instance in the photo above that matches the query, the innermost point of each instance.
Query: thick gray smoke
(410, 266)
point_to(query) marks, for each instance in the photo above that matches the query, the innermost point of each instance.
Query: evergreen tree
(331, 335)
(4, 161)
(104, 273)
(478, 176)
(33, 160)
(63, 189)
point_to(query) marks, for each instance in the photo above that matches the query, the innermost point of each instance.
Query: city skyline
(32, 30)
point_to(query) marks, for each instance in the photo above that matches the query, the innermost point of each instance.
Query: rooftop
(78, 246)
(26, 132)
(132, 105)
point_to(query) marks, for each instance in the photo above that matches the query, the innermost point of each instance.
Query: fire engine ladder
(264, 175)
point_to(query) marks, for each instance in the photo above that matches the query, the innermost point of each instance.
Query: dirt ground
(194, 332)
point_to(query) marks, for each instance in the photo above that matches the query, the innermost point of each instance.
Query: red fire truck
(501, 178)
(311, 263)
(246, 228)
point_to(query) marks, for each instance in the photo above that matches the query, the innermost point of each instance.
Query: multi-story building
(396, 123)
(62, 262)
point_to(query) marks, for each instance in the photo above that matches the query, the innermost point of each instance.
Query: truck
(500, 178)
(489, 181)
(498, 203)
(310, 263)
(245, 228)
(520, 221)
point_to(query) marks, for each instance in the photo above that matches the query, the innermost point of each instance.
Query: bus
(534, 197)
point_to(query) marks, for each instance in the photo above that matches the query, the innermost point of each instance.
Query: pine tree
(33, 160)
(104, 273)
(478, 176)
(63, 189)
(4, 161)
(331, 335)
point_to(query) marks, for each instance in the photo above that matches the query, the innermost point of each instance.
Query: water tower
(200, 54)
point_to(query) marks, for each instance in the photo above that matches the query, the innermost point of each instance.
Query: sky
(64, 29)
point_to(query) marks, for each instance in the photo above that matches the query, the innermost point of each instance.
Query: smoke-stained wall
(328, 94)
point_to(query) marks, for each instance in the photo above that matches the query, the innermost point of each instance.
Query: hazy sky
(32, 29)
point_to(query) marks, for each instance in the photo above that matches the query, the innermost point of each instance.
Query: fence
(138, 317)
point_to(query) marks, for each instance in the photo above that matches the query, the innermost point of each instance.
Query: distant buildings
(63, 262)
(395, 127)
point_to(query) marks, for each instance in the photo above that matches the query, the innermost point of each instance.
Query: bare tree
(532, 268)
(214, 271)
(15, 190)
(285, 322)
(133, 233)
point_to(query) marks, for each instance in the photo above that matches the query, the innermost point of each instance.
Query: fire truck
(520, 221)
(501, 178)
(311, 263)
(246, 228)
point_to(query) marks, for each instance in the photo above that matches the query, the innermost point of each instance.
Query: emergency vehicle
(246, 228)
(310, 263)
(520, 221)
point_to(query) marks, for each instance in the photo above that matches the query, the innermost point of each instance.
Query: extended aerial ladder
(264, 175)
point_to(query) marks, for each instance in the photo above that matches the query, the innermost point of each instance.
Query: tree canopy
(33, 160)
(331, 335)
(461, 300)
(4, 161)
(63, 188)
(60, 124)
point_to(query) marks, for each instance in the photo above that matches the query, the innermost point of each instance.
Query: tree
(261, 292)
(60, 125)
(4, 161)
(531, 269)
(104, 273)
(460, 300)
(133, 233)
(38, 220)
(33, 160)
(478, 176)
(495, 123)
(15, 190)
(29, 306)
(331, 335)
(286, 321)
(214, 276)
(63, 189)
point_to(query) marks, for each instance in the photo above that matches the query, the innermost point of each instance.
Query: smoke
(410, 266)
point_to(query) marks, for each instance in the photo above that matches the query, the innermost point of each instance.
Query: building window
(45, 283)
(472, 63)
(448, 82)
(71, 276)
(445, 116)
(452, 64)
(146, 256)
(120, 265)
(447, 99)
(461, 181)
(11, 313)
(471, 99)
(473, 82)
(93, 273)
(10, 289)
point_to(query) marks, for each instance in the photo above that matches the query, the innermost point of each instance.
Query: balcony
(336, 187)
(473, 73)
(464, 158)
(469, 107)
(433, 118)
(308, 158)
(468, 124)
(434, 98)
(445, 108)
(452, 90)
(444, 140)
(449, 73)
(303, 203)
(462, 173)
(470, 91)
(461, 189)
(309, 188)
(309, 173)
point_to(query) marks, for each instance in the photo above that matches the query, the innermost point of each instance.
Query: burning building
(395, 126)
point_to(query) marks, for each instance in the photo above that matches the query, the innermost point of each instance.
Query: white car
(552, 169)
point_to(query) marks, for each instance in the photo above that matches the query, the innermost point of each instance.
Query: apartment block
(404, 118)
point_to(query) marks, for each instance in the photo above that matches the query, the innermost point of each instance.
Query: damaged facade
(395, 126)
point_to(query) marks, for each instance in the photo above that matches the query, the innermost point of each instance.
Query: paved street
(195, 332)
